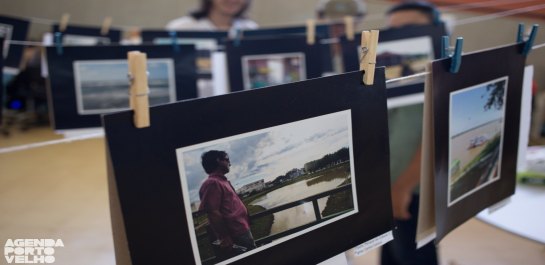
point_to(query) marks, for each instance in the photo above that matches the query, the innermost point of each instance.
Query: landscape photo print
(477, 118)
(292, 179)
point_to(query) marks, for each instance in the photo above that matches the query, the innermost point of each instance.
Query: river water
(299, 215)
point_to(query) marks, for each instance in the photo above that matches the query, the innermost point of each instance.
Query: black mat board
(148, 181)
(19, 32)
(62, 92)
(266, 46)
(476, 68)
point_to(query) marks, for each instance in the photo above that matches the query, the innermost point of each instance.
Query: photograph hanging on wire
(72, 39)
(5, 33)
(477, 118)
(204, 48)
(102, 86)
(292, 179)
(404, 57)
(272, 69)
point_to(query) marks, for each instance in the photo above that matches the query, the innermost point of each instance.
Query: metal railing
(314, 199)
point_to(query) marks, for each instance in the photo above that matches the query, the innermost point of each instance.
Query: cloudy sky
(467, 108)
(269, 153)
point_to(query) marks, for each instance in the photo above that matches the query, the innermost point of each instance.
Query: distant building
(251, 187)
(296, 172)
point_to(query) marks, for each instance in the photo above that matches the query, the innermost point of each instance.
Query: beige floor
(60, 191)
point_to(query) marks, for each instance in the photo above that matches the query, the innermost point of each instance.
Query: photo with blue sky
(468, 107)
(268, 153)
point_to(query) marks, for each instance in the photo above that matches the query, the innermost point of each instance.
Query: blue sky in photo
(117, 71)
(467, 109)
(272, 152)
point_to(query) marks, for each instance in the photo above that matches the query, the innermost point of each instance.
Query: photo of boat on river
(292, 179)
(477, 118)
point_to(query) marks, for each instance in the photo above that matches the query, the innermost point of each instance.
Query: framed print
(255, 63)
(318, 171)
(403, 51)
(101, 85)
(476, 114)
(83, 35)
(296, 162)
(17, 30)
(323, 31)
(272, 69)
(206, 42)
(87, 81)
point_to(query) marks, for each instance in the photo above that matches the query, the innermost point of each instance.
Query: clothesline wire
(460, 7)
(450, 8)
(499, 15)
(460, 22)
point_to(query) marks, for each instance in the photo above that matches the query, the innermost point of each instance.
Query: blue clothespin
(58, 42)
(238, 37)
(174, 41)
(436, 16)
(456, 56)
(530, 42)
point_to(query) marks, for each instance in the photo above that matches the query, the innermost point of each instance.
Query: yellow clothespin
(349, 27)
(106, 23)
(64, 22)
(311, 31)
(139, 88)
(369, 42)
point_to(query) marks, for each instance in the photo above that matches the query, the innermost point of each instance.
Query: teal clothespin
(456, 57)
(436, 16)
(530, 42)
(238, 36)
(174, 41)
(58, 42)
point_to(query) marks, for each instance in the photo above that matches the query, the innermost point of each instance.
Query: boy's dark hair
(206, 5)
(424, 7)
(209, 160)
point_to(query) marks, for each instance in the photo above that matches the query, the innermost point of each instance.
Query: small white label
(373, 243)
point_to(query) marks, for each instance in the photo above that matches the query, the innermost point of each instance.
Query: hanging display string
(460, 7)
(460, 22)
(394, 80)
(451, 8)
(498, 15)
(53, 142)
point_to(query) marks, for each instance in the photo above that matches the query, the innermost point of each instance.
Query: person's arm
(402, 188)
(218, 224)
(211, 202)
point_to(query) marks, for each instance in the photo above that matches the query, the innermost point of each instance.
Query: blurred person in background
(405, 126)
(215, 15)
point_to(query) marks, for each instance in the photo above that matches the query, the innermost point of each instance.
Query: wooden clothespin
(369, 42)
(138, 77)
(106, 23)
(349, 27)
(64, 22)
(311, 31)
